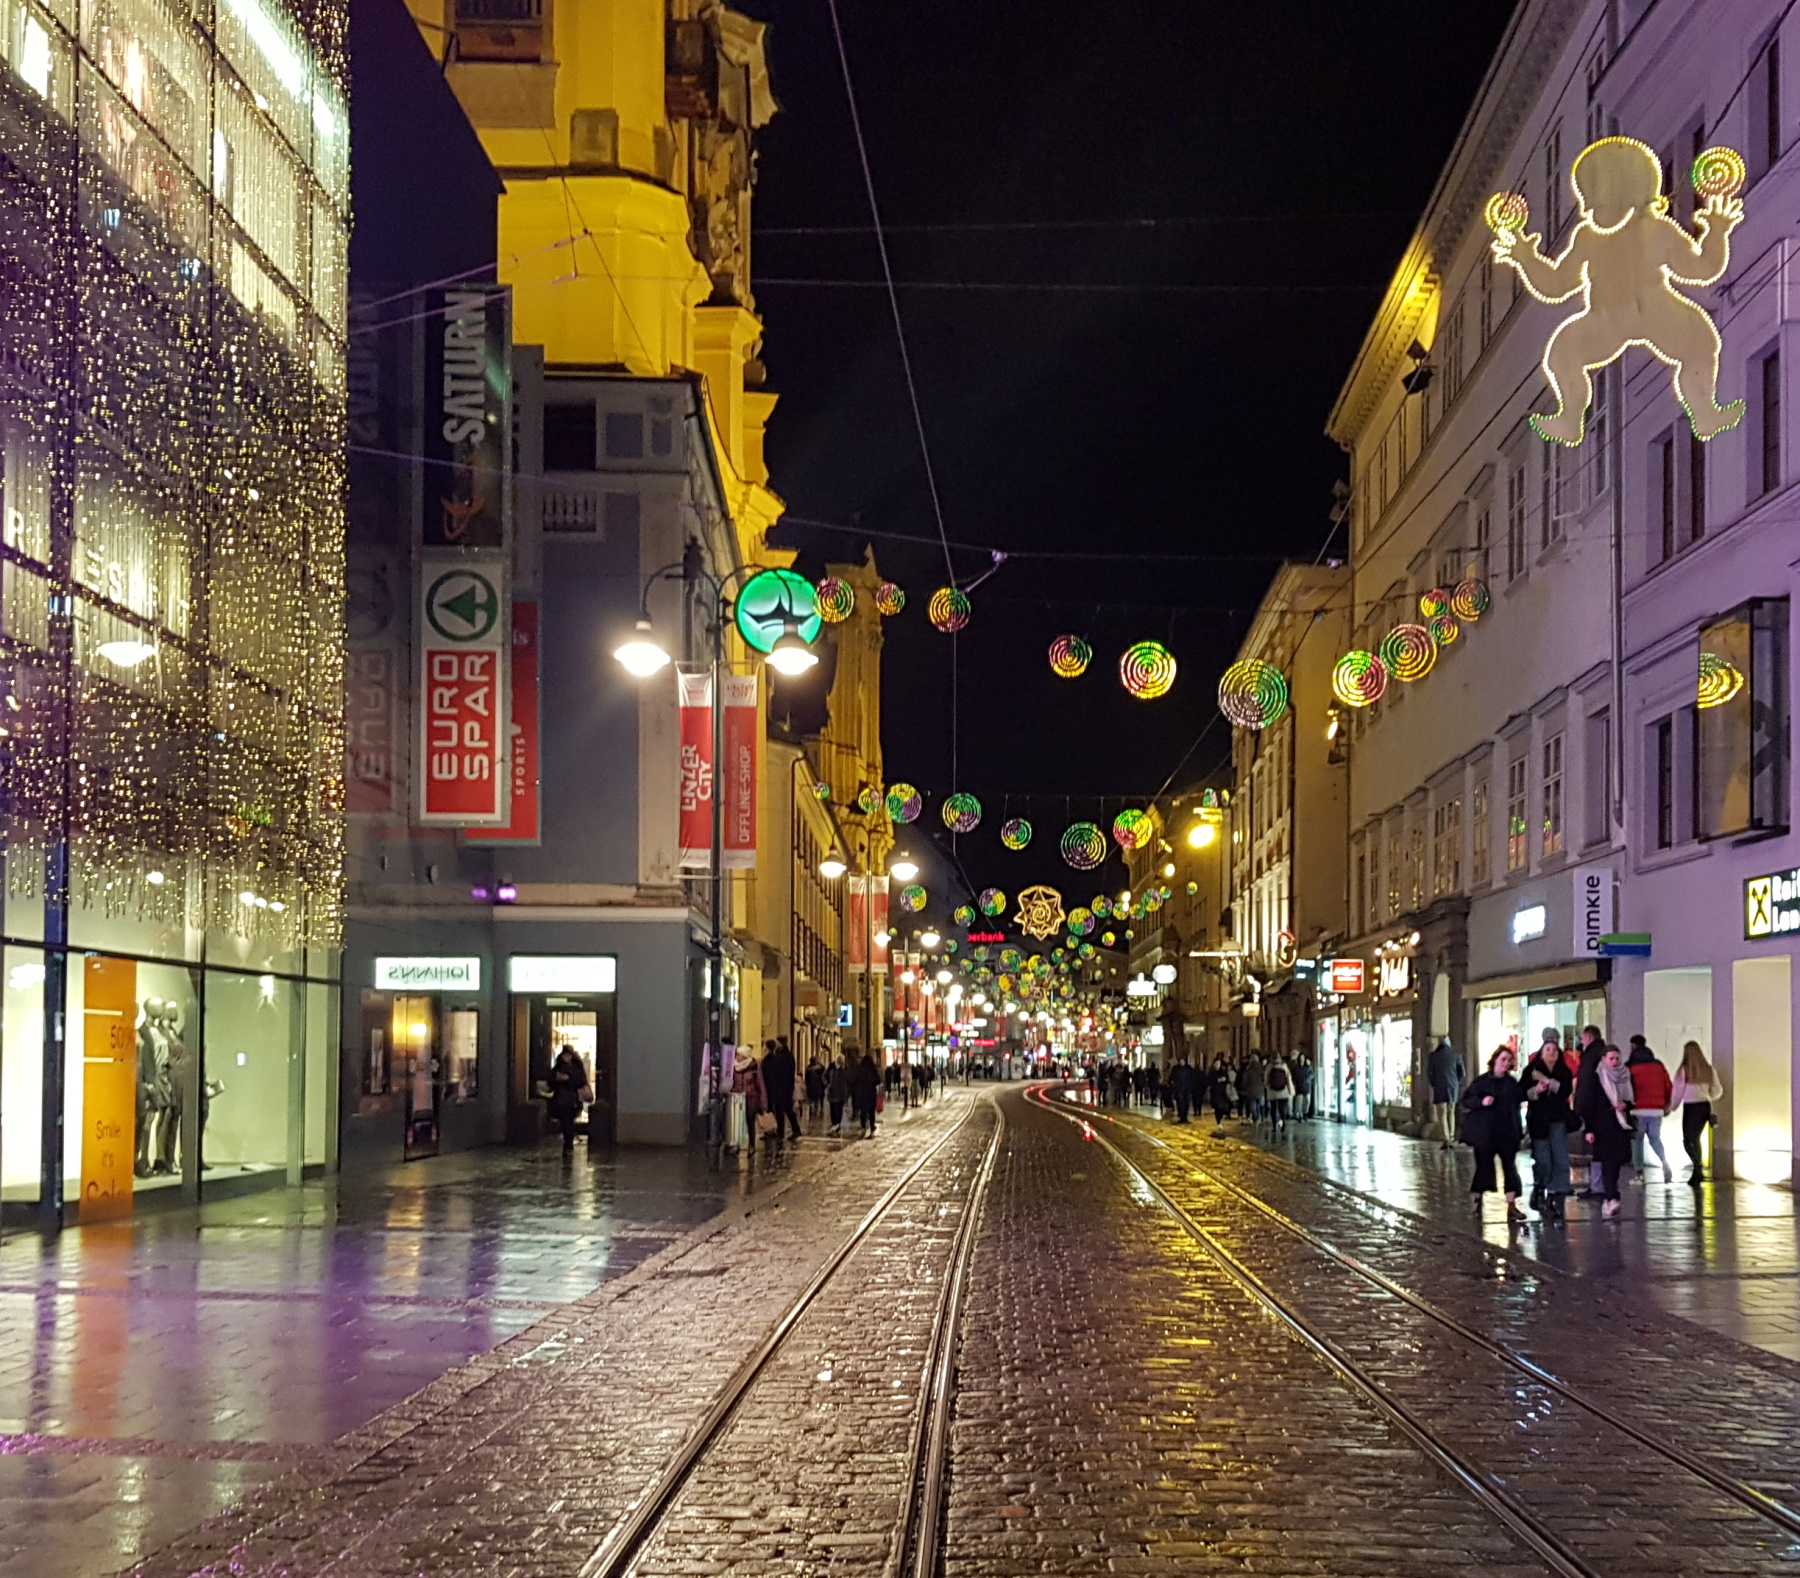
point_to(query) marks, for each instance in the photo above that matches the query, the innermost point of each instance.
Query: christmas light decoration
(1015, 832)
(1083, 846)
(836, 599)
(1040, 913)
(1133, 829)
(1623, 260)
(1407, 652)
(949, 609)
(823, 791)
(1080, 921)
(963, 915)
(1069, 657)
(1720, 680)
(904, 803)
(1719, 172)
(1253, 694)
(1102, 906)
(1086, 950)
(1193, 888)
(1359, 679)
(1107, 939)
(1444, 630)
(912, 897)
(868, 799)
(1470, 600)
(952, 945)
(1507, 213)
(1434, 604)
(1147, 670)
(991, 901)
(962, 813)
(1011, 958)
(889, 599)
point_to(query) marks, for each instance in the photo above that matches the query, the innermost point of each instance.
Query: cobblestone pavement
(1623, 1507)
(1725, 1255)
(154, 1374)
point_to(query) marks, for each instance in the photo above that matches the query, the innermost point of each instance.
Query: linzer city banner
(856, 924)
(522, 825)
(878, 923)
(468, 418)
(463, 634)
(694, 693)
(742, 716)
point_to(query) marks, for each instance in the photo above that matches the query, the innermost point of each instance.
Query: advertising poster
(463, 764)
(522, 826)
(742, 720)
(696, 786)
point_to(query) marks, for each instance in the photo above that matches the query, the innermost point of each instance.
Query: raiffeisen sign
(1772, 905)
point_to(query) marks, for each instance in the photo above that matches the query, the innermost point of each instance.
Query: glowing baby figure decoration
(1623, 262)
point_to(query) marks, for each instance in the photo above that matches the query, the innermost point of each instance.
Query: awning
(1589, 972)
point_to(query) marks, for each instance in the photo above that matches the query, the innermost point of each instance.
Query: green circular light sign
(772, 599)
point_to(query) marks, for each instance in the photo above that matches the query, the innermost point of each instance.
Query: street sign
(1346, 977)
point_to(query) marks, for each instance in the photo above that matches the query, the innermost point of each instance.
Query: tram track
(915, 1550)
(1557, 1553)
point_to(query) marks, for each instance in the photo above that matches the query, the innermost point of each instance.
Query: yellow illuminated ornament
(889, 599)
(1359, 679)
(836, 599)
(949, 609)
(1623, 261)
(1720, 680)
(1147, 670)
(1040, 911)
(1408, 652)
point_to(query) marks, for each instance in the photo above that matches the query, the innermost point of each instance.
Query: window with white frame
(1480, 847)
(1450, 362)
(1446, 851)
(1552, 842)
(1393, 871)
(1553, 184)
(1597, 776)
(1515, 518)
(1518, 852)
(1415, 865)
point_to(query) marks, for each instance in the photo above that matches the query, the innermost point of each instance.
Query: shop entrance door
(415, 1045)
(587, 1024)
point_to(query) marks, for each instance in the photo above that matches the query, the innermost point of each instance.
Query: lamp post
(642, 655)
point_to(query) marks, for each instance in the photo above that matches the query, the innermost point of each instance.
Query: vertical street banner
(109, 1086)
(856, 923)
(694, 693)
(522, 687)
(462, 765)
(878, 924)
(468, 418)
(374, 684)
(742, 717)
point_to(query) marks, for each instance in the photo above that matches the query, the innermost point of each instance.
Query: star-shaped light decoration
(1040, 911)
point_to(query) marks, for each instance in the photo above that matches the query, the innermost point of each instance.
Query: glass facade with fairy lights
(174, 199)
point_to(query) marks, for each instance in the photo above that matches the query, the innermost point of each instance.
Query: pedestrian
(1251, 1090)
(815, 1089)
(1490, 1108)
(1593, 1048)
(1607, 1117)
(1695, 1091)
(569, 1092)
(1444, 1068)
(1304, 1077)
(837, 1093)
(865, 1086)
(1219, 1092)
(778, 1089)
(1549, 1084)
(1651, 1089)
(1278, 1081)
(746, 1081)
(1181, 1085)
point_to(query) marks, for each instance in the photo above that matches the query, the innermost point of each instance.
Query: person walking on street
(1549, 1085)
(1490, 1107)
(1304, 1077)
(1251, 1089)
(865, 1085)
(778, 1089)
(1593, 1048)
(1695, 1091)
(569, 1091)
(1607, 1117)
(815, 1089)
(1278, 1081)
(1444, 1068)
(1221, 1096)
(837, 1092)
(1651, 1089)
(1181, 1086)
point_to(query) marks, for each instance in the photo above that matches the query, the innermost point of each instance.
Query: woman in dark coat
(1549, 1082)
(568, 1083)
(1490, 1108)
(864, 1083)
(837, 1092)
(1606, 1116)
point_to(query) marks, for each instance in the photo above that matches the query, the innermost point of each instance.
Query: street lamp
(643, 655)
(905, 868)
(832, 867)
(929, 938)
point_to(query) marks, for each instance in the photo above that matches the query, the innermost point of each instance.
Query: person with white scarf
(1607, 1115)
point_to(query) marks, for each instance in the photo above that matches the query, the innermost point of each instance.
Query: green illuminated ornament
(992, 901)
(836, 599)
(904, 802)
(1408, 652)
(1107, 939)
(1069, 657)
(868, 798)
(951, 945)
(963, 915)
(1081, 921)
(1470, 600)
(1147, 670)
(1193, 888)
(962, 813)
(949, 609)
(889, 599)
(1083, 846)
(1253, 694)
(823, 791)
(1015, 833)
(912, 897)
(772, 600)
(1102, 906)
(1133, 829)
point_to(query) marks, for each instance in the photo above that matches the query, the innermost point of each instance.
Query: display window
(419, 1053)
(1519, 1022)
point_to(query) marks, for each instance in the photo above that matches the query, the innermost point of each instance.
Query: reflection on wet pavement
(152, 1372)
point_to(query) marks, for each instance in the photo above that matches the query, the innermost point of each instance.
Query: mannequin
(154, 1117)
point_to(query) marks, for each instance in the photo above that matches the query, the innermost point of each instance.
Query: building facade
(1561, 781)
(173, 213)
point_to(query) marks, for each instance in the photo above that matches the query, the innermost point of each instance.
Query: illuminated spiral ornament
(962, 813)
(1010, 958)
(1253, 694)
(963, 915)
(992, 901)
(1434, 604)
(1086, 950)
(1015, 832)
(1719, 172)
(1080, 921)
(1408, 651)
(836, 599)
(904, 803)
(1720, 680)
(1107, 939)
(1359, 679)
(1102, 906)
(1132, 829)
(1147, 670)
(1069, 657)
(952, 945)
(1153, 900)
(949, 609)
(1507, 212)
(1471, 600)
(1193, 888)
(889, 599)
(1005, 982)
(1083, 846)
(912, 897)
(868, 798)
(1444, 630)
(823, 791)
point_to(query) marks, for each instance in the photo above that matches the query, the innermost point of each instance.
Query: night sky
(1150, 153)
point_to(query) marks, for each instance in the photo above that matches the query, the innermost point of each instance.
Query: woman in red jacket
(1651, 1089)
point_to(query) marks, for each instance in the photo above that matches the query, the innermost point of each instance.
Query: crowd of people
(1614, 1101)
(1259, 1087)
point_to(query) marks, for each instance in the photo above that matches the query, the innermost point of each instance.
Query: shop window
(1517, 852)
(1481, 848)
(1553, 796)
(21, 1085)
(1743, 721)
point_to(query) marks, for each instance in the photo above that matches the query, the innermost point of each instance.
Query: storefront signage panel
(1593, 909)
(742, 719)
(108, 1087)
(1346, 976)
(1529, 922)
(1394, 974)
(1772, 905)
(522, 685)
(464, 632)
(695, 789)
(428, 975)
(578, 974)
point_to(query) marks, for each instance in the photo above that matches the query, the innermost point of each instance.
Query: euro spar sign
(463, 632)
(1346, 977)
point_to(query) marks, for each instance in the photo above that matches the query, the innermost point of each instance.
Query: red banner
(522, 827)
(695, 695)
(742, 716)
(879, 923)
(856, 923)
